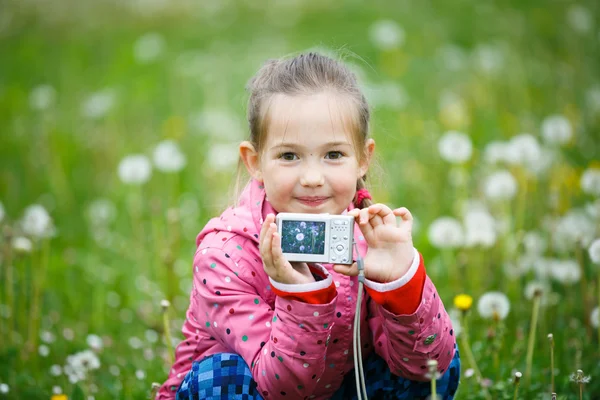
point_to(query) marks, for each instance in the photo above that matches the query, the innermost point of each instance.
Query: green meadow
(119, 125)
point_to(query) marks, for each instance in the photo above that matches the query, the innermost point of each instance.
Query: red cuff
(320, 296)
(406, 299)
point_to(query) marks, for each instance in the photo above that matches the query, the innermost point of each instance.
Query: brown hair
(304, 74)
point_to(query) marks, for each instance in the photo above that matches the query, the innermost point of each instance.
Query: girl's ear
(250, 157)
(366, 159)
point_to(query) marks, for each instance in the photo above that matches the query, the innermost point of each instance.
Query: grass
(109, 279)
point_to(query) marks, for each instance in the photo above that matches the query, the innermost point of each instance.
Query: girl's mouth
(312, 201)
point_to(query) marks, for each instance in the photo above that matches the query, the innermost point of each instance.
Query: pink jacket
(293, 346)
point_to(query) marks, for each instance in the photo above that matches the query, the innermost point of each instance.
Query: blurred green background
(84, 85)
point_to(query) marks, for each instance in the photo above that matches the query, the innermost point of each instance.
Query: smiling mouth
(312, 201)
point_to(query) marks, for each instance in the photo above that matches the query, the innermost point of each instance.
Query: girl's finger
(365, 226)
(375, 218)
(348, 270)
(403, 213)
(265, 226)
(266, 252)
(276, 253)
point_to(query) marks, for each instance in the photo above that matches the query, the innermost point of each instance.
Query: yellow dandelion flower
(463, 302)
(59, 397)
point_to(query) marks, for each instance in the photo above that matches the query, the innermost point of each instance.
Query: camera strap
(361, 390)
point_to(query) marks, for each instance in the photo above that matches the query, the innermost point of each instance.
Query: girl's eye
(334, 155)
(288, 156)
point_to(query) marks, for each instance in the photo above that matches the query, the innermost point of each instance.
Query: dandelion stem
(9, 282)
(598, 288)
(551, 337)
(467, 348)
(532, 329)
(517, 381)
(38, 283)
(165, 307)
(584, 289)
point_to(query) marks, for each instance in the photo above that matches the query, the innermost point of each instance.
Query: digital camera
(312, 238)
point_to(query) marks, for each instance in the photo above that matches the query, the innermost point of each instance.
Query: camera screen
(305, 237)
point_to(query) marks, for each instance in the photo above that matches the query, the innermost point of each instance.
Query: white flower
(592, 98)
(43, 350)
(574, 229)
(56, 390)
(135, 169)
(480, 228)
(451, 57)
(565, 271)
(594, 251)
(167, 157)
(580, 19)
(98, 104)
(446, 232)
(4, 388)
(496, 152)
(37, 223)
(148, 47)
(387, 94)
(524, 150)
(47, 337)
(2, 213)
(592, 209)
(94, 341)
(141, 375)
(542, 287)
(101, 212)
(222, 157)
(220, 124)
(21, 244)
(500, 185)
(55, 370)
(595, 317)
(42, 97)
(455, 147)
(135, 343)
(300, 237)
(590, 181)
(386, 34)
(534, 243)
(556, 129)
(488, 58)
(151, 335)
(493, 305)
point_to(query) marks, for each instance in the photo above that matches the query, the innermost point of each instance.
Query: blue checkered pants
(226, 376)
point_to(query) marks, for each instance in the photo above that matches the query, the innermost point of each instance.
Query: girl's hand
(390, 253)
(274, 263)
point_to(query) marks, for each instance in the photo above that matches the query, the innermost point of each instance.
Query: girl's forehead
(321, 117)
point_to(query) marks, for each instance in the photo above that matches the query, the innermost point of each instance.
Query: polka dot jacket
(300, 344)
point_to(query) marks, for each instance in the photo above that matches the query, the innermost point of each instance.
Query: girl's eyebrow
(299, 146)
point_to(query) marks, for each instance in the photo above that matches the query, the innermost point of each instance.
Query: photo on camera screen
(304, 237)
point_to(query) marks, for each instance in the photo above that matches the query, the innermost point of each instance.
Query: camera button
(334, 237)
(333, 258)
(339, 247)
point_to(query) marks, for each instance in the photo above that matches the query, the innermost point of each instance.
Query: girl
(259, 327)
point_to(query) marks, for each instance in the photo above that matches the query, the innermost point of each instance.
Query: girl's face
(308, 163)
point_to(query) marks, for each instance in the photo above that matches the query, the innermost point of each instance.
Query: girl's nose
(312, 177)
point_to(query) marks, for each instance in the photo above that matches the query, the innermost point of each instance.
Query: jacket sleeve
(406, 337)
(284, 347)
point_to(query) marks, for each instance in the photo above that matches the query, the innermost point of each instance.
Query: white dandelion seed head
(141, 375)
(47, 337)
(55, 370)
(148, 47)
(4, 388)
(222, 157)
(56, 390)
(386, 95)
(580, 19)
(480, 228)
(524, 150)
(500, 185)
(168, 157)
(446, 232)
(493, 305)
(151, 335)
(300, 237)
(595, 317)
(42, 97)
(496, 152)
(21, 244)
(534, 243)
(592, 98)
(68, 334)
(95, 342)
(135, 169)
(101, 212)
(219, 124)
(301, 248)
(488, 58)
(135, 343)
(98, 104)
(556, 129)
(594, 251)
(37, 222)
(452, 57)
(533, 287)
(386, 34)
(573, 229)
(43, 350)
(590, 181)
(455, 147)
(114, 370)
(566, 272)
